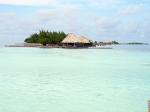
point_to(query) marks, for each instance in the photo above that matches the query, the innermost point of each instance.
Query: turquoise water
(76, 80)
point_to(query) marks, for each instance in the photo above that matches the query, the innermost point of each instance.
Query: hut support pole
(148, 105)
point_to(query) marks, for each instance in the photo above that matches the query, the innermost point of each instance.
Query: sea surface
(75, 80)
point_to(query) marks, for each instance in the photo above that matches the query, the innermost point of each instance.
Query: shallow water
(75, 80)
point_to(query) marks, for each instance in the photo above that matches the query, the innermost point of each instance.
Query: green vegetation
(115, 42)
(46, 37)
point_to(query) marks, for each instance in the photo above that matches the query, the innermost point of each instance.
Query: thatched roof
(72, 38)
(84, 40)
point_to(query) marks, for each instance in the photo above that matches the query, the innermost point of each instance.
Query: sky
(120, 20)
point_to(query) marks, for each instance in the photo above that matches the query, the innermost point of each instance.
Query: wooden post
(148, 105)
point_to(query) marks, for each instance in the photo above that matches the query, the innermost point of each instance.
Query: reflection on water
(77, 80)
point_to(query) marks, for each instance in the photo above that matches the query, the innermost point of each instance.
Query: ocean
(75, 80)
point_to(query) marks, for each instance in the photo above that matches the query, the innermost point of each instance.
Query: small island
(63, 40)
(137, 43)
(57, 40)
(49, 39)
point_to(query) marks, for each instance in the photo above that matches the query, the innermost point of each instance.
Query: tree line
(46, 37)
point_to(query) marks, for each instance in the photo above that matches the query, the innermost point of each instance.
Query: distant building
(108, 42)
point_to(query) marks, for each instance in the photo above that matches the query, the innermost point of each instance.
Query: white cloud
(28, 2)
(8, 14)
(71, 16)
(60, 12)
(105, 1)
(100, 3)
(61, 18)
(107, 23)
(132, 9)
(106, 4)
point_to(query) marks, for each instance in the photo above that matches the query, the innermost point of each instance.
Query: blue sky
(121, 20)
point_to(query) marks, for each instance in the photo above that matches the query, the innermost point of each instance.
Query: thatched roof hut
(72, 38)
